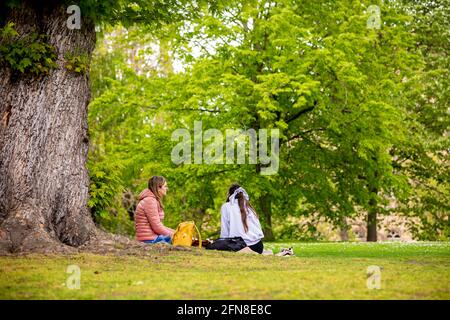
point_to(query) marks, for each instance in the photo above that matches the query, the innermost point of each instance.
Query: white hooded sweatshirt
(231, 221)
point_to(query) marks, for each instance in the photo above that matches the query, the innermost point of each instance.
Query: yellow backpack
(184, 234)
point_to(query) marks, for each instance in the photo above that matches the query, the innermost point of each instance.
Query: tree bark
(372, 219)
(343, 229)
(265, 211)
(265, 203)
(44, 141)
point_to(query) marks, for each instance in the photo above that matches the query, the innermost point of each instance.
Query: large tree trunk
(44, 142)
(372, 226)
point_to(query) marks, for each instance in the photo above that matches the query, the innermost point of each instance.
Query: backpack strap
(199, 237)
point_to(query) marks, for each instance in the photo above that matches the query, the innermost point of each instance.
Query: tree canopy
(361, 122)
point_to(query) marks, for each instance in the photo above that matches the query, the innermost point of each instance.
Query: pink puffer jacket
(148, 218)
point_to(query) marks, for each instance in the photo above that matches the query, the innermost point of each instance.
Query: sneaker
(285, 252)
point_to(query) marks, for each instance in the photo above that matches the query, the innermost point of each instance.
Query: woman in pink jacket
(149, 213)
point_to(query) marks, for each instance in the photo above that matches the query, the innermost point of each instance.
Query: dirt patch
(105, 243)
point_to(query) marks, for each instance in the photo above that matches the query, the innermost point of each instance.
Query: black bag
(227, 244)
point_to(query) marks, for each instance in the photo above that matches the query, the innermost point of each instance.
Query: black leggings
(257, 247)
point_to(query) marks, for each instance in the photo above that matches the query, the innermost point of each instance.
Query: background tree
(337, 90)
(330, 84)
(423, 156)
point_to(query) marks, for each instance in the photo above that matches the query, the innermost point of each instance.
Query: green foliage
(105, 185)
(294, 232)
(154, 13)
(105, 191)
(116, 221)
(423, 156)
(28, 54)
(346, 99)
(334, 96)
(149, 12)
(77, 62)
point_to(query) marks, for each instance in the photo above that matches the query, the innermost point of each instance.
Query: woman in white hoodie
(239, 219)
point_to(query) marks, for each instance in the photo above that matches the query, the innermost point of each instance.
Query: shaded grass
(318, 271)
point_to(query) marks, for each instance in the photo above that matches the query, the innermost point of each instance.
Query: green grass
(318, 271)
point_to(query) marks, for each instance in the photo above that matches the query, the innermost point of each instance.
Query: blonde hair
(154, 183)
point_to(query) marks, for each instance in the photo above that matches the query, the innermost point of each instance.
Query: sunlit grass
(318, 271)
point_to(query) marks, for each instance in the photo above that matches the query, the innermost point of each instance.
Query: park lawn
(318, 271)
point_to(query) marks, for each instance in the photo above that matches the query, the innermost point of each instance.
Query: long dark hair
(244, 204)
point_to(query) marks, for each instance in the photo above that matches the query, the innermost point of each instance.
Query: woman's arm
(224, 223)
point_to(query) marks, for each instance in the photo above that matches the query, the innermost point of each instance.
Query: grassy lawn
(318, 271)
